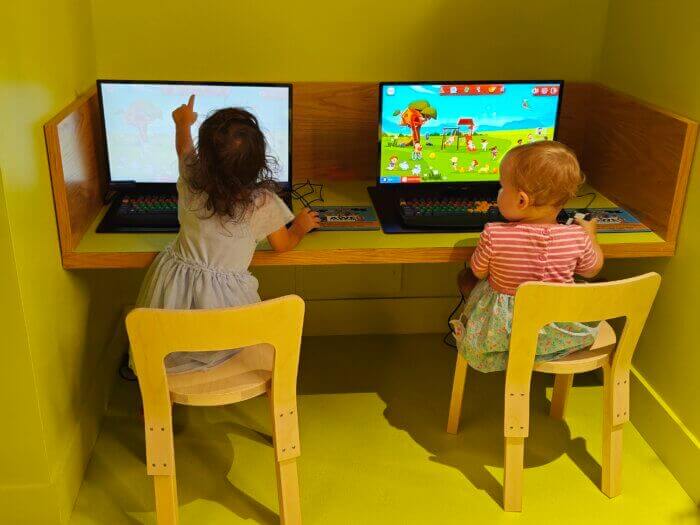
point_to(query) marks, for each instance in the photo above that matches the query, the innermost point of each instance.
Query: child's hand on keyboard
(307, 220)
(590, 227)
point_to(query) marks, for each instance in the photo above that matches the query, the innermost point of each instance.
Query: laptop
(139, 133)
(441, 145)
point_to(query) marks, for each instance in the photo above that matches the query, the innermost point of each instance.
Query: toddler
(226, 205)
(537, 179)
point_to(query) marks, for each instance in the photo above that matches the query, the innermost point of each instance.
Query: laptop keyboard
(448, 212)
(147, 204)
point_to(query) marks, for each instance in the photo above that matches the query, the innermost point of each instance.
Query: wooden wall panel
(633, 153)
(572, 121)
(335, 133)
(639, 156)
(75, 149)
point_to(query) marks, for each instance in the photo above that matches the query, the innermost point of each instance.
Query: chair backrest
(155, 333)
(538, 304)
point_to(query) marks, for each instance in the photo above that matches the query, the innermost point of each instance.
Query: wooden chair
(538, 304)
(270, 333)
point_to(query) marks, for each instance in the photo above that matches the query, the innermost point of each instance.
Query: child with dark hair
(226, 205)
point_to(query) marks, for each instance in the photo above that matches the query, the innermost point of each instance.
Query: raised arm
(184, 116)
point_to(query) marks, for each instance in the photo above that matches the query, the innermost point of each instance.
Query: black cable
(449, 333)
(125, 372)
(590, 194)
(449, 327)
(309, 189)
(301, 198)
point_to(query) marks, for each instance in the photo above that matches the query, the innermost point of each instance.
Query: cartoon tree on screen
(140, 114)
(417, 114)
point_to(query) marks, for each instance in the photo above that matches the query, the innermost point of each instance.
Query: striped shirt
(514, 253)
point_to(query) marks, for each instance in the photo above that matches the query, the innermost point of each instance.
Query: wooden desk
(128, 250)
(636, 154)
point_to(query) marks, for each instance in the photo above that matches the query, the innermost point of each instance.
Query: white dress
(206, 266)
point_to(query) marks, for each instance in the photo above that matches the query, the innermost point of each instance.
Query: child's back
(536, 181)
(515, 253)
(226, 206)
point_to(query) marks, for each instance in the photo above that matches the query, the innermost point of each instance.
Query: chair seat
(583, 360)
(248, 374)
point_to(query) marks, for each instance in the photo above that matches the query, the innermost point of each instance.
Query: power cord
(125, 372)
(446, 338)
(590, 194)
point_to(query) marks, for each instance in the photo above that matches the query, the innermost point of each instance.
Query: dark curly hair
(230, 164)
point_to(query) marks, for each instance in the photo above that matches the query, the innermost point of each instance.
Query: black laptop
(140, 142)
(441, 145)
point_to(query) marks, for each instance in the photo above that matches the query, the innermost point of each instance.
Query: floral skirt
(483, 329)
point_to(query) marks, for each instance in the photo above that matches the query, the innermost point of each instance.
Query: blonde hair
(547, 171)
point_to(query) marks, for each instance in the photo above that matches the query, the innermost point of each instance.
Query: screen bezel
(157, 186)
(445, 185)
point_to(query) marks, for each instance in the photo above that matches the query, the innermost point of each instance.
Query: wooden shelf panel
(637, 154)
(125, 250)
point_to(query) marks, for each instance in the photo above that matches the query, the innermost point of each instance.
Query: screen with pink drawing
(458, 132)
(140, 133)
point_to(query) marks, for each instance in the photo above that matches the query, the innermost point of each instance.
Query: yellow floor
(374, 451)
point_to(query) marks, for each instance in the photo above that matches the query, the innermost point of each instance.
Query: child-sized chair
(536, 305)
(270, 333)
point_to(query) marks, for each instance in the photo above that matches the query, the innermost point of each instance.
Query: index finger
(190, 102)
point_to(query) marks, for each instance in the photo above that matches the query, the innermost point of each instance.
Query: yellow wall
(651, 51)
(23, 460)
(58, 322)
(353, 40)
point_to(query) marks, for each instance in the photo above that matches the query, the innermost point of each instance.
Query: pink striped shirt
(514, 253)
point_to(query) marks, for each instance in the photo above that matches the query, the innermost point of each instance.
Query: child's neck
(541, 215)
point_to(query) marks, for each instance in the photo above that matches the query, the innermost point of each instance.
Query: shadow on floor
(208, 450)
(413, 376)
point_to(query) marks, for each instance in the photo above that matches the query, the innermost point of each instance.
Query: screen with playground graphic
(459, 132)
(140, 132)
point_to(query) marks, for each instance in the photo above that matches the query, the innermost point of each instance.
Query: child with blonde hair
(537, 179)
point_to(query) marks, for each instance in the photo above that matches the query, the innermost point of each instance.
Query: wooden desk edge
(107, 260)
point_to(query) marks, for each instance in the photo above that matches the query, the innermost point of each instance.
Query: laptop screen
(458, 132)
(140, 133)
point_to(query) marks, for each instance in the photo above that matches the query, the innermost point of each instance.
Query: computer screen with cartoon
(140, 132)
(459, 132)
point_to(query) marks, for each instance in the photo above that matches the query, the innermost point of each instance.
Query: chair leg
(166, 499)
(457, 394)
(514, 456)
(611, 483)
(288, 492)
(560, 395)
(287, 479)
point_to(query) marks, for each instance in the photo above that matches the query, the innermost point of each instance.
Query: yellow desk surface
(131, 250)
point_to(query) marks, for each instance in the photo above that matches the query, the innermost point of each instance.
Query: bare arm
(286, 239)
(480, 275)
(184, 116)
(591, 228)
(481, 258)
